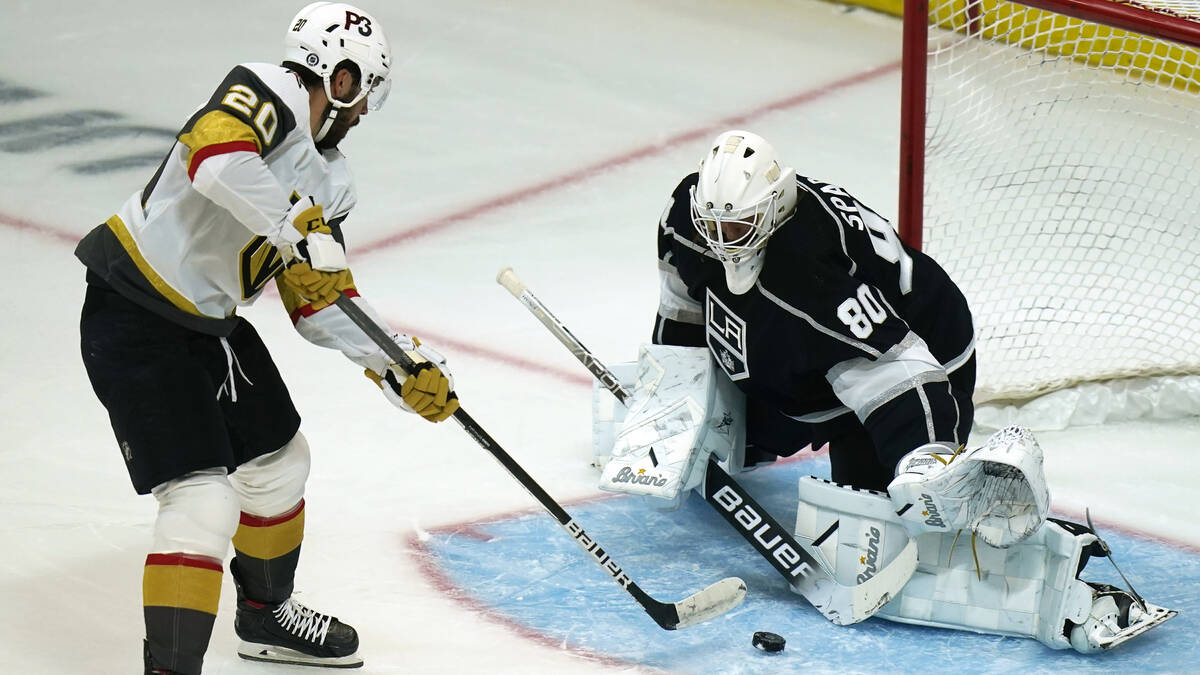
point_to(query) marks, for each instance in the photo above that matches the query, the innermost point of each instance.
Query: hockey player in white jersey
(254, 190)
(832, 330)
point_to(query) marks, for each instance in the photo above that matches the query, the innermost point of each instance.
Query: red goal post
(1050, 160)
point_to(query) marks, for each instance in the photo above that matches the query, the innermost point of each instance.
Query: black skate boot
(292, 633)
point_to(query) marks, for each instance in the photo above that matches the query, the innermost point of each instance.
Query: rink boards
(522, 571)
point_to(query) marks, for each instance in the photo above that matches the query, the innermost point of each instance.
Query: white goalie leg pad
(682, 410)
(997, 490)
(271, 484)
(1026, 590)
(1030, 589)
(197, 514)
(853, 533)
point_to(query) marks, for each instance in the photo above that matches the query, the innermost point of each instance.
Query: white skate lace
(303, 622)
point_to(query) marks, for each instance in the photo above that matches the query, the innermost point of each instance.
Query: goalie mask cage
(1050, 161)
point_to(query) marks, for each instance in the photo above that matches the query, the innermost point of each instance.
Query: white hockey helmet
(743, 185)
(323, 34)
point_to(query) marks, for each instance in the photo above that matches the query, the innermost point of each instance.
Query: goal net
(1050, 161)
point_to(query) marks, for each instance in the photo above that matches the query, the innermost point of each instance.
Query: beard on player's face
(338, 130)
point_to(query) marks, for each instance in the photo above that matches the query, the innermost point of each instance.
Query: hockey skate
(1116, 617)
(293, 634)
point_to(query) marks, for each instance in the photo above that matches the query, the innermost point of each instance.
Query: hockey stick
(840, 604)
(712, 601)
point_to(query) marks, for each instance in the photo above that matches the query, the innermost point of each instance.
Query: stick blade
(710, 602)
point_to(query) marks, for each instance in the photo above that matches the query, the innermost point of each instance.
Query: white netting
(1062, 192)
(1187, 9)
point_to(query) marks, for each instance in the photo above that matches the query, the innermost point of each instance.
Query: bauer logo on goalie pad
(726, 337)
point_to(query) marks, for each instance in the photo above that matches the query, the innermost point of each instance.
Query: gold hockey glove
(427, 391)
(308, 216)
(321, 289)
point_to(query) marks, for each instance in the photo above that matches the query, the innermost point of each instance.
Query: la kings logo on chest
(726, 337)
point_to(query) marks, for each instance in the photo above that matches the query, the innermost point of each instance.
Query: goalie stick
(839, 603)
(712, 601)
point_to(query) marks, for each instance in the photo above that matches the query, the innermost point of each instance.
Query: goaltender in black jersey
(835, 330)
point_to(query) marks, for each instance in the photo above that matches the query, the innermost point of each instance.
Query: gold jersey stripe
(185, 586)
(164, 289)
(270, 541)
(217, 128)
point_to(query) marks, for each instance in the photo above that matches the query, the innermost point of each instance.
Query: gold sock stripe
(267, 538)
(182, 580)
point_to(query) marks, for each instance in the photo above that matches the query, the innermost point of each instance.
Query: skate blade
(1157, 616)
(254, 651)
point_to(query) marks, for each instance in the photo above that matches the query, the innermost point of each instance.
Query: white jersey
(200, 239)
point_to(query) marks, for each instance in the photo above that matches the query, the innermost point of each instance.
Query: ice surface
(542, 135)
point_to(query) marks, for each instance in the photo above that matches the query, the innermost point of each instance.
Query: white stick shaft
(509, 279)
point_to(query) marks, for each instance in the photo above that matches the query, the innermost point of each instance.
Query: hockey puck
(768, 642)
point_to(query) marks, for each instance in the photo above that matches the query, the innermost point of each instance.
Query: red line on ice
(469, 213)
(30, 226)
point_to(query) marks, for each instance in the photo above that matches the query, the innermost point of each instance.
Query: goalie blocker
(680, 412)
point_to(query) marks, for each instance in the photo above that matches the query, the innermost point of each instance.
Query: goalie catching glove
(427, 391)
(316, 267)
(997, 490)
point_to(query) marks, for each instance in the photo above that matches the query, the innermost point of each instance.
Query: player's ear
(344, 85)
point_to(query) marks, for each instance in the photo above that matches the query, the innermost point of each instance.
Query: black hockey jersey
(843, 318)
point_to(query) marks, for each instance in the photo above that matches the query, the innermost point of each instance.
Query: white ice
(536, 134)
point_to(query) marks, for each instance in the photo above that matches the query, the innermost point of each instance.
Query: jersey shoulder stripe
(255, 108)
(217, 133)
(255, 103)
(813, 188)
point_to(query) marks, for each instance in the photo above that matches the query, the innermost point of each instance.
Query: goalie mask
(324, 34)
(743, 195)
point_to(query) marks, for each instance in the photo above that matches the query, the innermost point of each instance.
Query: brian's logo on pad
(869, 560)
(725, 334)
(626, 475)
(933, 515)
